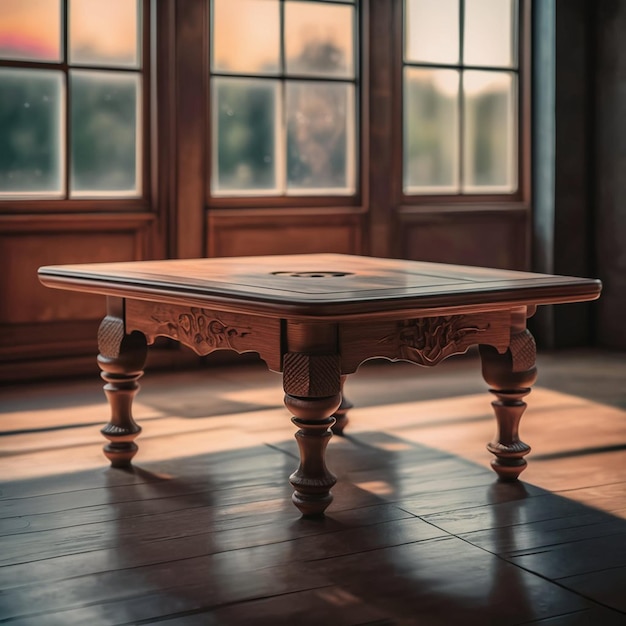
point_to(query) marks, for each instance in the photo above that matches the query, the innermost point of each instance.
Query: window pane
(246, 36)
(104, 32)
(320, 137)
(430, 130)
(104, 134)
(30, 30)
(490, 123)
(31, 123)
(432, 31)
(319, 39)
(245, 126)
(489, 32)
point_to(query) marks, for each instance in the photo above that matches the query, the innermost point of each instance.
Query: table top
(320, 285)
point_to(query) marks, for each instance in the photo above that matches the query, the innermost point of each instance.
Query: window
(283, 97)
(460, 92)
(71, 98)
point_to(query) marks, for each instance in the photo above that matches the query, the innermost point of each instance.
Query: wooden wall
(573, 185)
(45, 332)
(588, 221)
(42, 330)
(608, 223)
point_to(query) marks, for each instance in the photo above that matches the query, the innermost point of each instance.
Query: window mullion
(68, 128)
(282, 145)
(280, 154)
(461, 105)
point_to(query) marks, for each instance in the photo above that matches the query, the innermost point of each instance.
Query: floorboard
(202, 530)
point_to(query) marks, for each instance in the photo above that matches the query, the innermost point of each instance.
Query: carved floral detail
(198, 328)
(429, 340)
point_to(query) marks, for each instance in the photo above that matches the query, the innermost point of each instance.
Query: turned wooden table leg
(121, 359)
(312, 394)
(341, 414)
(510, 376)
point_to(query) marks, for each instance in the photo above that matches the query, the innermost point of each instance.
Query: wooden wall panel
(608, 214)
(22, 254)
(489, 239)
(35, 342)
(571, 246)
(246, 233)
(46, 332)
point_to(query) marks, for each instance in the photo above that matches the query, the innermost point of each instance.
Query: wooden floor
(420, 532)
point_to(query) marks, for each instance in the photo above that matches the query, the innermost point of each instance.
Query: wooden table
(316, 318)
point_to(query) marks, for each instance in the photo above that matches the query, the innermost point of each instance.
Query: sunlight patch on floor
(571, 437)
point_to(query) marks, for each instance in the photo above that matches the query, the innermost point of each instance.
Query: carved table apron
(316, 318)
